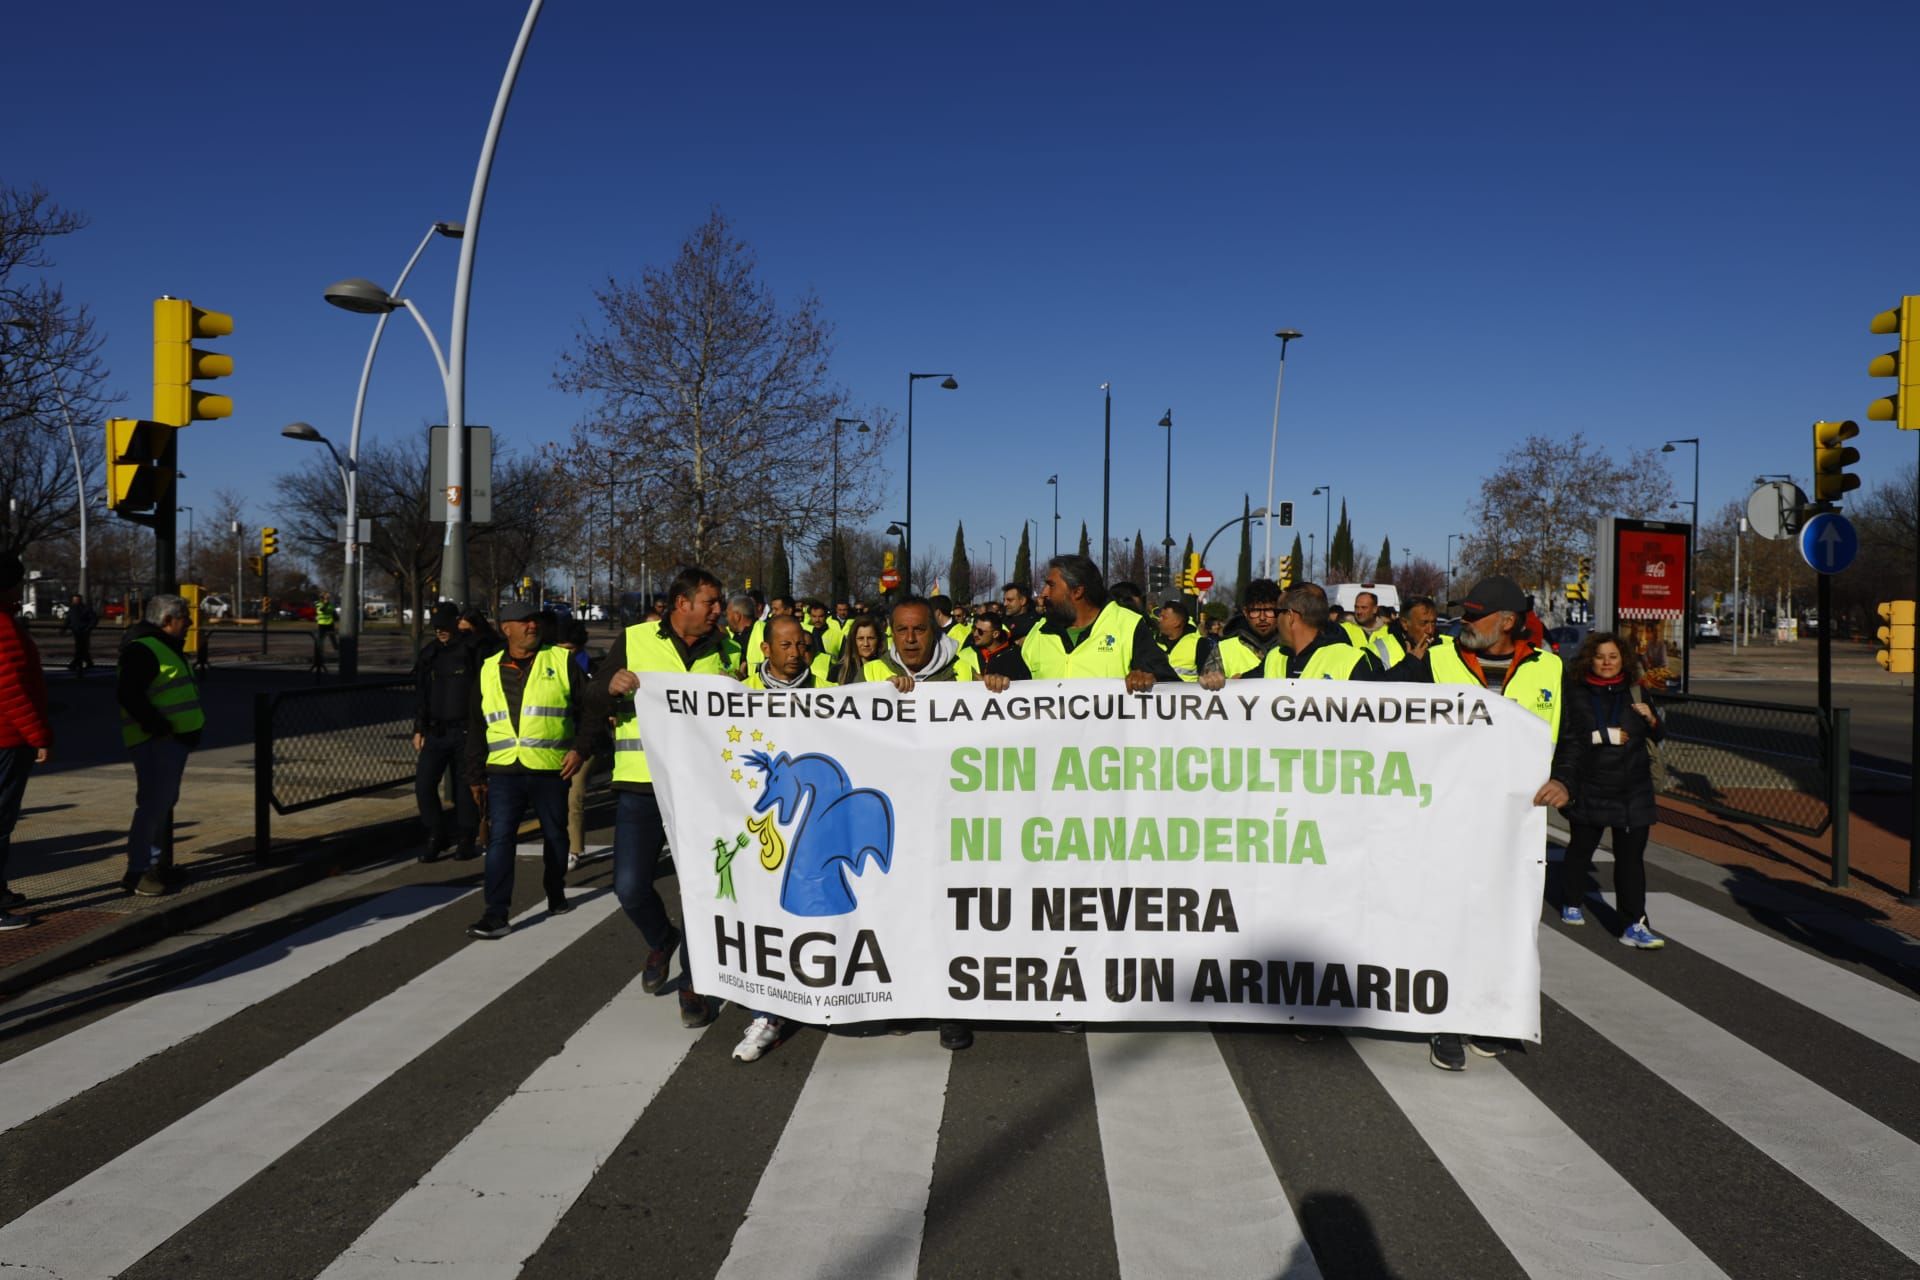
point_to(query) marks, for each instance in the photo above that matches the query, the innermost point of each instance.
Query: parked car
(1566, 641)
(1707, 629)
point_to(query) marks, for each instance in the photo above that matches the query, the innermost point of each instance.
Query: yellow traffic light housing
(269, 541)
(1831, 458)
(1902, 364)
(177, 363)
(1895, 635)
(139, 476)
(1286, 571)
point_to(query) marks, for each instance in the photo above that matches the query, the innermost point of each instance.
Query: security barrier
(1768, 763)
(316, 746)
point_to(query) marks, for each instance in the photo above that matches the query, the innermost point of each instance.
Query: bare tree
(1535, 516)
(718, 402)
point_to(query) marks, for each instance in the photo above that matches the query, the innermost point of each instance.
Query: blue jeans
(508, 795)
(639, 837)
(158, 764)
(15, 764)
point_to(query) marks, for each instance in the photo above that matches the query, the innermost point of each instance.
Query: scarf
(772, 681)
(1608, 682)
(938, 662)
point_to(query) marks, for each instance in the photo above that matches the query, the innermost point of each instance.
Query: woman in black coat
(1604, 763)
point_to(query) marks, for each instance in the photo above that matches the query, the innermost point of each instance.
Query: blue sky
(1641, 221)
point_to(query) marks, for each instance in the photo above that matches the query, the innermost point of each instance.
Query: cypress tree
(842, 584)
(960, 569)
(1243, 566)
(1137, 568)
(1299, 560)
(779, 573)
(1023, 559)
(1383, 571)
(1086, 548)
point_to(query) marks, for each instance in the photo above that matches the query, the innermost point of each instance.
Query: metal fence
(317, 746)
(1768, 763)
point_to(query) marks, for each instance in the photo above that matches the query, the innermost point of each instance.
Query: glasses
(1261, 611)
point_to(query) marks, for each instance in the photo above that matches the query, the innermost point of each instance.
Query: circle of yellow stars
(734, 733)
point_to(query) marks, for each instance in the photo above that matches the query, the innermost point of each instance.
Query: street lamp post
(1003, 557)
(1693, 537)
(1327, 490)
(947, 383)
(1106, 480)
(1166, 541)
(1258, 513)
(1273, 445)
(1054, 480)
(189, 511)
(359, 301)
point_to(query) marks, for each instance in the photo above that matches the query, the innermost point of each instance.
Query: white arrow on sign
(1830, 539)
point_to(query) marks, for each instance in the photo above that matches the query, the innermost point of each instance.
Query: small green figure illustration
(723, 864)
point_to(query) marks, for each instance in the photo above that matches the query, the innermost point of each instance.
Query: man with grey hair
(160, 722)
(742, 612)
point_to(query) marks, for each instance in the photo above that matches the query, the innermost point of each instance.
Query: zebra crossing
(372, 1095)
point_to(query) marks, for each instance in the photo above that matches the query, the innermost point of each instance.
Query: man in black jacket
(998, 654)
(443, 679)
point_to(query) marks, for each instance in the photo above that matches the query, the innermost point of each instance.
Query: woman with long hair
(1604, 762)
(865, 642)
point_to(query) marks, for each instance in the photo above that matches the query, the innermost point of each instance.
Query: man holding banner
(1088, 636)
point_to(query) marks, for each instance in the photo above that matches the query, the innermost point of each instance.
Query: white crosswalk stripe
(1190, 1179)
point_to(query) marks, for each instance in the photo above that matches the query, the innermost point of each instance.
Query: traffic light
(1902, 364)
(257, 564)
(1896, 635)
(138, 477)
(1156, 577)
(1186, 575)
(1286, 515)
(269, 541)
(1831, 458)
(1286, 571)
(177, 362)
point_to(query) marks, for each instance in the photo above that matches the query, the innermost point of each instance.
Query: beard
(1060, 615)
(1474, 640)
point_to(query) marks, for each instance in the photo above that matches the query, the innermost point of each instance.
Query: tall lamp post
(1166, 541)
(349, 295)
(1327, 490)
(1693, 537)
(1106, 480)
(1273, 445)
(947, 383)
(1054, 480)
(1003, 558)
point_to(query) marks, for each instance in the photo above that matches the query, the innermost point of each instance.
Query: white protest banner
(1281, 851)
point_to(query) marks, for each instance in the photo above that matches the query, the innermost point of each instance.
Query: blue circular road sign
(1828, 542)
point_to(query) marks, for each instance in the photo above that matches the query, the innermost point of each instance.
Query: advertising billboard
(1643, 592)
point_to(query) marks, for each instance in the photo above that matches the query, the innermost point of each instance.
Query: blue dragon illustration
(840, 827)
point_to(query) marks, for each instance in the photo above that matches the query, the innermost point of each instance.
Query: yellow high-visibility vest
(1534, 684)
(544, 732)
(1104, 653)
(172, 693)
(650, 649)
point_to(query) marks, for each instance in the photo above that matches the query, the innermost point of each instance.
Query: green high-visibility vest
(1184, 656)
(1238, 657)
(1104, 653)
(1327, 662)
(323, 613)
(966, 666)
(172, 693)
(1385, 646)
(1534, 683)
(649, 648)
(543, 735)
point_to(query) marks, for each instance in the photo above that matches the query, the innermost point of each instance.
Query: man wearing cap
(443, 677)
(1494, 651)
(525, 741)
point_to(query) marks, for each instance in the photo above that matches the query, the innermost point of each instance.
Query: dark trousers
(328, 636)
(15, 764)
(440, 754)
(82, 651)
(1629, 867)
(508, 795)
(639, 837)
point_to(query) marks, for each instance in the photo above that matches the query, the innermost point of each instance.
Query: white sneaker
(762, 1033)
(9, 921)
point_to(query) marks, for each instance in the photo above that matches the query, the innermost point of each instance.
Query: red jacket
(23, 689)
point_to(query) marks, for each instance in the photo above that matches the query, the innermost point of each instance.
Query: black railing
(314, 747)
(1769, 763)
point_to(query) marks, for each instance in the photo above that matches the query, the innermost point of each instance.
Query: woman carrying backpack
(1604, 762)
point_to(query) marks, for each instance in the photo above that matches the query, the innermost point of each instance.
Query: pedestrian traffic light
(1831, 458)
(269, 541)
(1902, 364)
(1286, 515)
(1895, 635)
(139, 474)
(177, 362)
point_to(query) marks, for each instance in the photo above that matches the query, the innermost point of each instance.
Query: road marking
(1557, 1206)
(42, 1079)
(845, 1192)
(1846, 1155)
(110, 1219)
(1192, 1190)
(491, 1201)
(1876, 1012)
(538, 850)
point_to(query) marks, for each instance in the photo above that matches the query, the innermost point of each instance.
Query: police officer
(443, 680)
(160, 722)
(1087, 636)
(524, 743)
(683, 641)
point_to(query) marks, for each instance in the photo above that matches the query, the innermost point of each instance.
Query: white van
(1343, 595)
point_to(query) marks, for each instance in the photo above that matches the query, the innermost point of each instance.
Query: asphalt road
(355, 1088)
(1880, 724)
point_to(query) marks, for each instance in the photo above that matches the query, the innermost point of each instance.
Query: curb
(328, 857)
